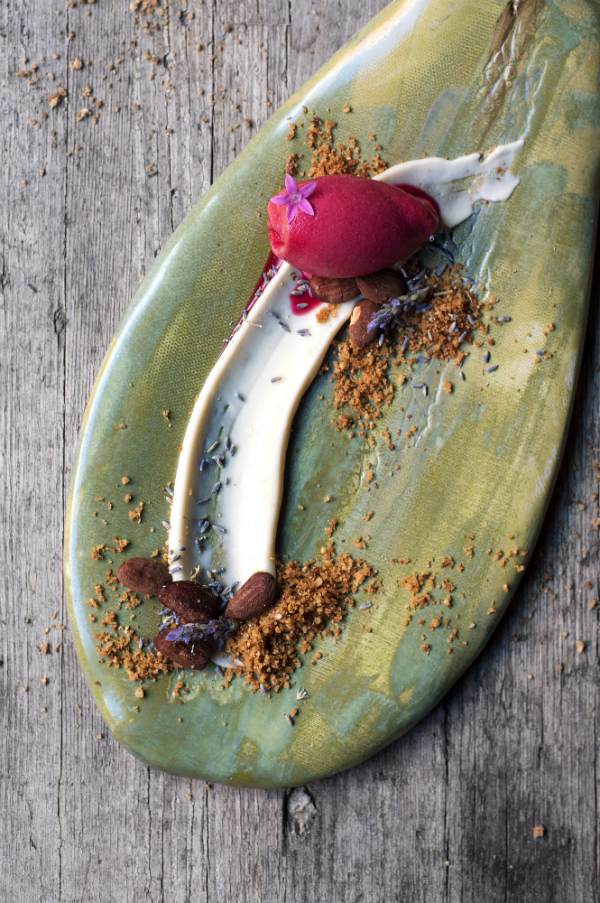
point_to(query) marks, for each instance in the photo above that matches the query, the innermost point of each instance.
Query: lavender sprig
(440, 244)
(390, 313)
(215, 629)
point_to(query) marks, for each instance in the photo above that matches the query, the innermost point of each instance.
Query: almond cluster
(193, 604)
(377, 288)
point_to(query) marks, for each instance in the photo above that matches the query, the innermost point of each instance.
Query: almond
(333, 291)
(144, 575)
(195, 655)
(382, 286)
(257, 593)
(360, 335)
(190, 601)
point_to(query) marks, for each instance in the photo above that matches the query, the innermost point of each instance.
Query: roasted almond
(257, 593)
(195, 654)
(190, 601)
(382, 286)
(143, 575)
(333, 291)
(360, 335)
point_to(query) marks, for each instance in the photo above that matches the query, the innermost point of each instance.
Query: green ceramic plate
(445, 78)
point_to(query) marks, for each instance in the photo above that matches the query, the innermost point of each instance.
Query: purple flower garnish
(295, 199)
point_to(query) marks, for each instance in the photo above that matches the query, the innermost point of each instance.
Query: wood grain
(448, 812)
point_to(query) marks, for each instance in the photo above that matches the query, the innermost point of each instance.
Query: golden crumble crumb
(114, 651)
(312, 596)
(56, 97)
(137, 513)
(362, 382)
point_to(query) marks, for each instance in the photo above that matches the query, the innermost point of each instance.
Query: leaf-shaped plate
(445, 78)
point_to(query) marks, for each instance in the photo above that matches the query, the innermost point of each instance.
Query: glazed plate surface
(436, 77)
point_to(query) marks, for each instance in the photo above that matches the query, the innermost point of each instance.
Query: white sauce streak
(458, 184)
(248, 503)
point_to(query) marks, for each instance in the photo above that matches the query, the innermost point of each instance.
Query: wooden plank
(83, 820)
(32, 332)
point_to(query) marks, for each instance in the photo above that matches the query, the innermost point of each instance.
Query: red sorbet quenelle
(351, 226)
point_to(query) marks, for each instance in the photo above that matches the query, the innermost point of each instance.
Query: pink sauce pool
(273, 262)
(306, 298)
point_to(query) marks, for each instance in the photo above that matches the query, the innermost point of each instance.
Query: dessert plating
(251, 396)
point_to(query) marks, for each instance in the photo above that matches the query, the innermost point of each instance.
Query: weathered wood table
(159, 99)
